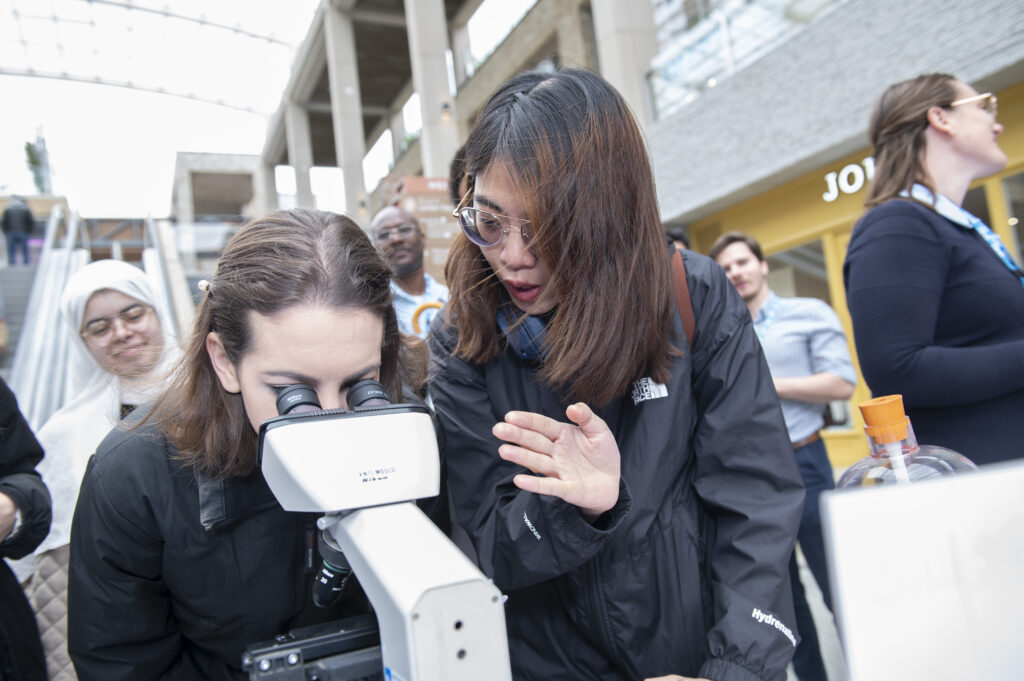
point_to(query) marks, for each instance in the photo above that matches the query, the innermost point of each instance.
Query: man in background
(810, 363)
(418, 296)
(677, 235)
(18, 223)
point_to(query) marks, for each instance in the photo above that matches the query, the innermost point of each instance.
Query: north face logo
(646, 389)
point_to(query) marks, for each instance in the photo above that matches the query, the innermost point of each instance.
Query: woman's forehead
(108, 297)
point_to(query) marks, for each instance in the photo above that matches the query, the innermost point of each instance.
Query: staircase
(15, 286)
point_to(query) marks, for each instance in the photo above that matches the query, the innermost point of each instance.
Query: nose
(514, 251)
(119, 328)
(331, 401)
(999, 129)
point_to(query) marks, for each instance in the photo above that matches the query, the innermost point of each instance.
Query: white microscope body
(440, 618)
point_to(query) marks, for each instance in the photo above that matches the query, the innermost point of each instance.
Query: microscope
(438, 618)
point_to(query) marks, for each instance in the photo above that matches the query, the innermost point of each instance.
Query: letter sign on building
(849, 180)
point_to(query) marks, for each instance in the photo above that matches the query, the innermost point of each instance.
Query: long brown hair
(290, 258)
(579, 161)
(897, 131)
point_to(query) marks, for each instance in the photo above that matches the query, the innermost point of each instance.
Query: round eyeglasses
(99, 330)
(488, 229)
(402, 231)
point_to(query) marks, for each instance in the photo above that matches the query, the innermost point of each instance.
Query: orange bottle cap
(885, 419)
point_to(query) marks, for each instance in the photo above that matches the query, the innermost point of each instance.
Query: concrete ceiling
(382, 53)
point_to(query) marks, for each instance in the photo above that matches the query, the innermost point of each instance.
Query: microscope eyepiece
(367, 393)
(297, 399)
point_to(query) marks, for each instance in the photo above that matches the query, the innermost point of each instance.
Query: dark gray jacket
(20, 453)
(688, 573)
(172, 575)
(21, 652)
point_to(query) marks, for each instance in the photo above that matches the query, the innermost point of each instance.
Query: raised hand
(578, 463)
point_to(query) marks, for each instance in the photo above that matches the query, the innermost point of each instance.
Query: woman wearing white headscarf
(120, 358)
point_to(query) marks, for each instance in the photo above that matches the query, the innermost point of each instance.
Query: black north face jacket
(688, 573)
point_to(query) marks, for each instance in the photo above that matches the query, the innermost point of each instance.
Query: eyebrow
(297, 377)
(487, 202)
(116, 314)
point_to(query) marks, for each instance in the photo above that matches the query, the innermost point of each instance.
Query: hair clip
(203, 285)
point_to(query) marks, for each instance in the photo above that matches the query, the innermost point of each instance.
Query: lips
(129, 352)
(523, 292)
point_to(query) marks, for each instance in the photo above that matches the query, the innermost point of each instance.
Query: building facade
(779, 149)
(756, 111)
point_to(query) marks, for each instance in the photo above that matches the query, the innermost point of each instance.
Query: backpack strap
(683, 296)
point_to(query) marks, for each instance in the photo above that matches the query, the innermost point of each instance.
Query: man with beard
(399, 239)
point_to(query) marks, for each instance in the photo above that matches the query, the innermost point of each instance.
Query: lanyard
(954, 213)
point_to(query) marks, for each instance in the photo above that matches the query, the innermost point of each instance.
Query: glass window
(976, 205)
(799, 272)
(1013, 189)
(700, 42)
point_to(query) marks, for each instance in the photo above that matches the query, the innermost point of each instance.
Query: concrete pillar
(575, 40)
(264, 185)
(460, 52)
(184, 207)
(300, 152)
(428, 41)
(626, 44)
(397, 124)
(346, 109)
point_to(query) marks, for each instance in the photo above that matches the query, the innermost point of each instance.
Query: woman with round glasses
(635, 497)
(120, 354)
(936, 299)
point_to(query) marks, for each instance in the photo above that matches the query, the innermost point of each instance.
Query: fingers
(590, 423)
(538, 423)
(548, 486)
(527, 439)
(538, 463)
(579, 413)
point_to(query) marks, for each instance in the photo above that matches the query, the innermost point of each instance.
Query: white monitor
(928, 579)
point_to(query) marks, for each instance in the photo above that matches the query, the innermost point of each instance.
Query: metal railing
(39, 367)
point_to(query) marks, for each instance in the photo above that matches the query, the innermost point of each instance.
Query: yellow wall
(796, 213)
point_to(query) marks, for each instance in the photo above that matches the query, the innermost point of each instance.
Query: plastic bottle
(895, 455)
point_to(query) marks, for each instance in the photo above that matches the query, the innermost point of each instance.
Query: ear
(222, 364)
(938, 118)
(764, 267)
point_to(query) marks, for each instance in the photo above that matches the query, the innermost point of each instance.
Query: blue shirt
(406, 304)
(802, 337)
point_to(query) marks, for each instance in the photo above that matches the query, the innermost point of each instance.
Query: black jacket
(172, 575)
(21, 653)
(688, 573)
(18, 218)
(20, 453)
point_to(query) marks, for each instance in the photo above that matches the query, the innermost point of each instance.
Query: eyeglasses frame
(457, 214)
(103, 337)
(385, 235)
(991, 102)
